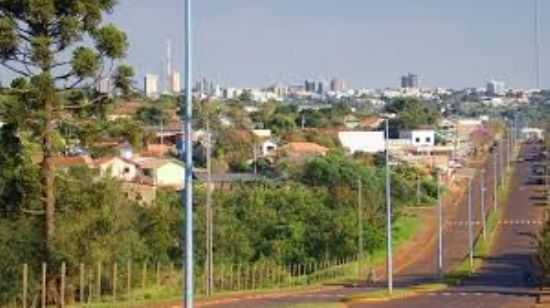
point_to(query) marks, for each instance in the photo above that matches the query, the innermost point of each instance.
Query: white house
(367, 142)
(419, 137)
(529, 132)
(117, 167)
(269, 148)
(161, 172)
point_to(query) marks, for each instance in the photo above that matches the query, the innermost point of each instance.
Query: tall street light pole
(483, 217)
(495, 188)
(359, 225)
(470, 227)
(500, 159)
(209, 216)
(389, 256)
(439, 227)
(188, 191)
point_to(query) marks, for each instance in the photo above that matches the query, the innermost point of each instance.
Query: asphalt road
(501, 282)
(505, 279)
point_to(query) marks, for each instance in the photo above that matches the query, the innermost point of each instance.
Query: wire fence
(89, 284)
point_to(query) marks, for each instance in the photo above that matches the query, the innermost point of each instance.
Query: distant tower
(169, 66)
(537, 45)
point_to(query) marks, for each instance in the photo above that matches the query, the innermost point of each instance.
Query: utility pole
(389, 256)
(209, 216)
(255, 154)
(359, 225)
(470, 223)
(483, 217)
(188, 191)
(500, 160)
(417, 189)
(439, 227)
(510, 145)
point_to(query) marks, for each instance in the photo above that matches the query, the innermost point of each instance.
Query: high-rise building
(175, 83)
(321, 88)
(310, 86)
(496, 88)
(337, 85)
(409, 81)
(151, 85)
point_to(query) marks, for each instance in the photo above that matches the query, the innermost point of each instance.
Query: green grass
(403, 230)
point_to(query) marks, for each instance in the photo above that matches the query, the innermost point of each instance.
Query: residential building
(161, 172)
(151, 85)
(366, 142)
(269, 148)
(117, 167)
(419, 137)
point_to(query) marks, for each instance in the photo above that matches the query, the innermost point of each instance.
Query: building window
(126, 170)
(428, 139)
(417, 140)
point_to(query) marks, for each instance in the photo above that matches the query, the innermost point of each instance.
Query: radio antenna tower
(169, 65)
(537, 45)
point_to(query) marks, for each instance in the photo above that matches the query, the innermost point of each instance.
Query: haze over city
(248, 43)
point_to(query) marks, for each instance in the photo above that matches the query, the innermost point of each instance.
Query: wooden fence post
(43, 294)
(81, 283)
(90, 284)
(231, 277)
(98, 281)
(222, 273)
(129, 279)
(62, 291)
(253, 276)
(158, 274)
(115, 276)
(144, 276)
(239, 277)
(245, 272)
(25, 284)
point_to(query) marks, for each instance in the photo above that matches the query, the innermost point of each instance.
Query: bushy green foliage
(413, 113)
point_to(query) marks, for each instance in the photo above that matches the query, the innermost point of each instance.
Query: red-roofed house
(300, 150)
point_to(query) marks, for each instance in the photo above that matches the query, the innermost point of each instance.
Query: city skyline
(256, 43)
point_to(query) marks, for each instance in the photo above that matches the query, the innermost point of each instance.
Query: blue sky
(370, 43)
